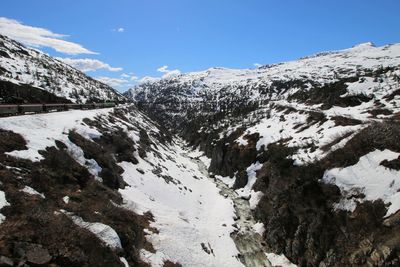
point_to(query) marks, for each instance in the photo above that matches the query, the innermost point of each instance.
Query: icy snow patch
(367, 176)
(226, 180)
(66, 199)
(31, 191)
(241, 141)
(255, 197)
(154, 259)
(103, 232)
(124, 261)
(279, 260)
(3, 203)
(252, 177)
(259, 228)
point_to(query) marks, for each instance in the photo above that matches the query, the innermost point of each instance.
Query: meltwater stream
(248, 242)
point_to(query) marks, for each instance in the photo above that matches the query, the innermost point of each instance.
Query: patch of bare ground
(392, 164)
(171, 264)
(380, 111)
(10, 141)
(345, 121)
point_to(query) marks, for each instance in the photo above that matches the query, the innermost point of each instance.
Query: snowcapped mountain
(357, 72)
(312, 144)
(30, 75)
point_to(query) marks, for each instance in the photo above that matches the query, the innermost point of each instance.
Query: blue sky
(188, 35)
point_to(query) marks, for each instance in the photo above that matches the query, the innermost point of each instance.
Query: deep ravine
(248, 242)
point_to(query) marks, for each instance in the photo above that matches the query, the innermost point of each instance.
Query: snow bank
(279, 260)
(31, 191)
(66, 199)
(103, 232)
(3, 203)
(367, 176)
(246, 191)
(124, 261)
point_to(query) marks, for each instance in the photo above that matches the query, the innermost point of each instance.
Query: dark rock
(241, 179)
(245, 197)
(37, 255)
(32, 253)
(205, 248)
(5, 261)
(10, 141)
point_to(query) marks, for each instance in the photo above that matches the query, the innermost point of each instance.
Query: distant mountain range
(220, 90)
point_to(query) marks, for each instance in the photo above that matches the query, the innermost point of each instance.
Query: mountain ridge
(30, 68)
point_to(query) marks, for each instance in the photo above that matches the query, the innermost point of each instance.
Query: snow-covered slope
(313, 143)
(190, 222)
(24, 66)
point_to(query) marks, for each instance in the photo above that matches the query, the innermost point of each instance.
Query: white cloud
(257, 65)
(120, 29)
(171, 73)
(39, 37)
(168, 73)
(87, 64)
(113, 82)
(125, 80)
(163, 69)
(148, 79)
(131, 76)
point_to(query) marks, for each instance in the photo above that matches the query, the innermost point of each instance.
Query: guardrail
(12, 110)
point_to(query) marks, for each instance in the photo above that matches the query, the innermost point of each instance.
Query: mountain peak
(364, 45)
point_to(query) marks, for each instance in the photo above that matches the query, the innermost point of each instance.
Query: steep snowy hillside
(313, 144)
(30, 75)
(341, 78)
(111, 188)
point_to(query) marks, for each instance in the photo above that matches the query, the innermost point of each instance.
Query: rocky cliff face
(312, 143)
(28, 75)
